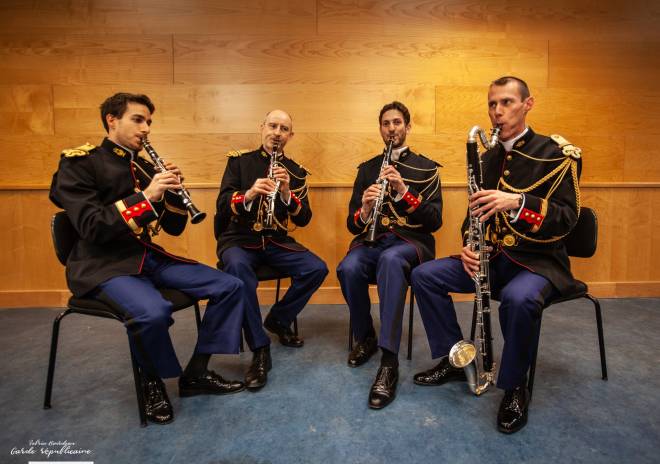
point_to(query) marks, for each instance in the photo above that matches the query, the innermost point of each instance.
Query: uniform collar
(519, 141)
(117, 149)
(399, 153)
(266, 154)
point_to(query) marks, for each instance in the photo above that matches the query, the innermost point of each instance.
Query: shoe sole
(510, 431)
(438, 384)
(151, 421)
(371, 406)
(189, 393)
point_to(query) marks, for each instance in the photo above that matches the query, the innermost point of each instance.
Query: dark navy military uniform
(100, 188)
(244, 244)
(529, 265)
(404, 240)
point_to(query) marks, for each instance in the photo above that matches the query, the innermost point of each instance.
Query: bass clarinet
(370, 239)
(476, 357)
(196, 215)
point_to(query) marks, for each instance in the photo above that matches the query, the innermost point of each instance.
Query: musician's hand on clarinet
(161, 182)
(261, 186)
(485, 203)
(369, 198)
(171, 167)
(394, 178)
(470, 260)
(281, 174)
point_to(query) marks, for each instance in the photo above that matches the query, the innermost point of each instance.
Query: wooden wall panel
(595, 112)
(214, 68)
(85, 59)
(156, 16)
(492, 19)
(339, 59)
(26, 109)
(628, 65)
(241, 108)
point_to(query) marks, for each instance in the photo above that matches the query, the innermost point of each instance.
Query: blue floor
(314, 408)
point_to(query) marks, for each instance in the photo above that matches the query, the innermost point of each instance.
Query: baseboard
(325, 295)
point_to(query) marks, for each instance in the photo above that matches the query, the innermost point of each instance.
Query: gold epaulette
(236, 153)
(567, 148)
(82, 150)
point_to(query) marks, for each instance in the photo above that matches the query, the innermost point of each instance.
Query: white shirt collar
(508, 145)
(396, 153)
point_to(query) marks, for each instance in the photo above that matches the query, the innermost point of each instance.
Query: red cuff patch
(236, 198)
(136, 210)
(356, 217)
(412, 200)
(532, 217)
(295, 198)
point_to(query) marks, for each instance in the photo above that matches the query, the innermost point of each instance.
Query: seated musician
(410, 211)
(263, 195)
(116, 200)
(529, 200)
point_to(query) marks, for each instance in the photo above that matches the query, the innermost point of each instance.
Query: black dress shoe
(284, 333)
(512, 415)
(156, 402)
(362, 352)
(257, 374)
(443, 372)
(383, 389)
(208, 383)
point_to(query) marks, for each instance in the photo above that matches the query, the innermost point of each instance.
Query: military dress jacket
(235, 225)
(100, 188)
(547, 171)
(412, 218)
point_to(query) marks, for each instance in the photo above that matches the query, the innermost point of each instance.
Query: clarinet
(370, 239)
(269, 223)
(196, 215)
(476, 357)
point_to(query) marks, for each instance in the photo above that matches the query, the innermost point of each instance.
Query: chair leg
(137, 378)
(411, 313)
(53, 355)
(198, 317)
(601, 338)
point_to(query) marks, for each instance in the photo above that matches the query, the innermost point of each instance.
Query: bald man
(251, 186)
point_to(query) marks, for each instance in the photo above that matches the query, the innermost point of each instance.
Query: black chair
(64, 238)
(580, 243)
(410, 325)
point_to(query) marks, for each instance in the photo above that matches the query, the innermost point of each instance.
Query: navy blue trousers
(307, 272)
(522, 296)
(149, 315)
(388, 265)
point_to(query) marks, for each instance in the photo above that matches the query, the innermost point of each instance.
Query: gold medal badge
(385, 221)
(257, 227)
(509, 240)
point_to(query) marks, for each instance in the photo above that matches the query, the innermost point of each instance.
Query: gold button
(506, 173)
(509, 157)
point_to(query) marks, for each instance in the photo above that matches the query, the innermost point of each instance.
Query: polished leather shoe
(512, 415)
(284, 333)
(208, 383)
(362, 352)
(157, 404)
(383, 390)
(443, 372)
(257, 375)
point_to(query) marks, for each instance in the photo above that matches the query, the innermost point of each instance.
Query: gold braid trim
(565, 165)
(293, 175)
(576, 187)
(404, 220)
(542, 160)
